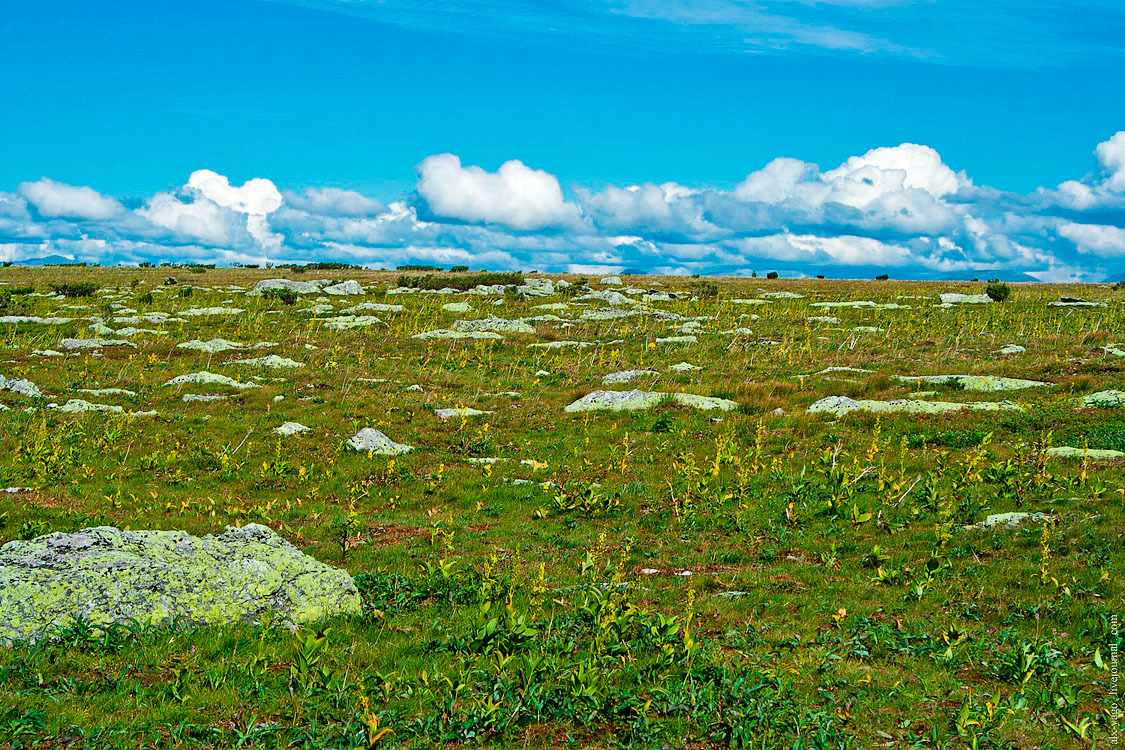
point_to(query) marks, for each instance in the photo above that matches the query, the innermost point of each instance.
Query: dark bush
(998, 292)
(283, 295)
(705, 290)
(79, 289)
(771, 275)
(463, 283)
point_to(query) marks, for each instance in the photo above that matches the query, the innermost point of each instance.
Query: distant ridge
(49, 260)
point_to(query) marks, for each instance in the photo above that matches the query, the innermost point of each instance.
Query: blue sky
(646, 134)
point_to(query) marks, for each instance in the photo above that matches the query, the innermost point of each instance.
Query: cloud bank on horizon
(900, 210)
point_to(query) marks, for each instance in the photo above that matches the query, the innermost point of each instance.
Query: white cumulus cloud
(57, 199)
(516, 195)
(1099, 239)
(333, 202)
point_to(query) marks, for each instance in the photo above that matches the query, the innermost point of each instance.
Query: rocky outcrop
(107, 575)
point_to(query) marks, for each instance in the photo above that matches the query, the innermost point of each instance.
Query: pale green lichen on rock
(978, 383)
(840, 405)
(107, 575)
(637, 400)
(1091, 454)
(1104, 399)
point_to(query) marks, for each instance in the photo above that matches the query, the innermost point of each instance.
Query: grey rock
(107, 575)
(373, 441)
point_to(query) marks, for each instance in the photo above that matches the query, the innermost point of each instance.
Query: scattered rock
(214, 346)
(444, 333)
(493, 325)
(16, 319)
(103, 392)
(78, 406)
(94, 343)
(953, 298)
(291, 428)
(344, 288)
(208, 378)
(271, 361)
(625, 376)
(635, 400)
(444, 414)
(1074, 302)
(978, 383)
(1104, 399)
(373, 441)
(363, 307)
(1010, 520)
(841, 405)
(1092, 454)
(348, 322)
(197, 312)
(20, 387)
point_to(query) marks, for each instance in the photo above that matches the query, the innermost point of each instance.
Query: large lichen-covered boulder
(107, 575)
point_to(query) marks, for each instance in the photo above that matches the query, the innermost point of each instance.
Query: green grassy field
(662, 578)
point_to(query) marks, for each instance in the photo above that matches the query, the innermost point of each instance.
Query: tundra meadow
(880, 517)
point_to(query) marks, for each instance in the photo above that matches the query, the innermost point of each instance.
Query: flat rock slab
(637, 399)
(369, 440)
(372, 307)
(199, 312)
(208, 378)
(1093, 454)
(1104, 399)
(462, 413)
(317, 286)
(625, 376)
(94, 343)
(347, 322)
(1011, 520)
(952, 298)
(457, 307)
(493, 325)
(271, 360)
(978, 383)
(214, 346)
(841, 405)
(444, 333)
(34, 319)
(107, 575)
(78, 406)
